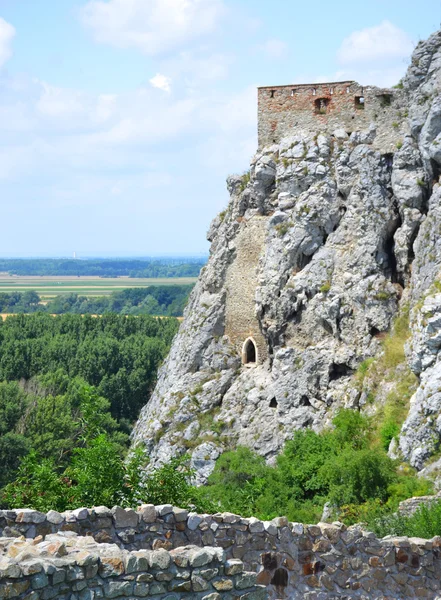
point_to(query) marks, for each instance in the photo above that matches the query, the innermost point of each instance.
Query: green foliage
(170, 484)
(161, 300)
(363, 371)
(82, 382)
(283, 228)
(388, 430)
(96, 473)
(382, 296)
(342, 466)
(246, 178)
(324, 289)
(424, 523)
(394, 343)
(358, 476)
(118, 355)
(37, 485)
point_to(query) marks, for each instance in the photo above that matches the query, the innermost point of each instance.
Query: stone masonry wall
(328, 106)
(315, 562)
(68, 567)
(241, 321)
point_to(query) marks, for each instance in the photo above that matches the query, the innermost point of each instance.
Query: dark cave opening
(304, 401)
(273, 403)
(377, 333)
(391, 268)
(388, 160)
(436, 170)
(339, 370)
(327, 327)
(304, 260)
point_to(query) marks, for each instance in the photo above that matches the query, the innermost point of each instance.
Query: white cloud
(382, 42)
(59, 102)
(152, 26)
(162, 82)
(195, 68)
(275, 48)
(7, 34)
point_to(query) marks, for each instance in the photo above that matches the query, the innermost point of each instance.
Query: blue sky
(120, 119)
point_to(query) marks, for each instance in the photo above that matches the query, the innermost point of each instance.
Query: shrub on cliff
(342, 466)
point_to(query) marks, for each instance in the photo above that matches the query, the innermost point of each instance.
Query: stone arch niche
(250, 354)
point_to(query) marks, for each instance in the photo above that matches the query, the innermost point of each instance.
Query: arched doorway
(249, 352)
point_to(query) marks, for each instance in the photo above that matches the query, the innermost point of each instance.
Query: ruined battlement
(329, 106)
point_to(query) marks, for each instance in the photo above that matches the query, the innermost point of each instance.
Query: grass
(49, 287)
(391, 367)
(394, 343)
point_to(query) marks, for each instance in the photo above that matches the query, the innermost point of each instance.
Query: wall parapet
(292, 560)
(69, 567)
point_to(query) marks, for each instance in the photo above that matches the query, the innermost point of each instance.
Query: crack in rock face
(321, 242)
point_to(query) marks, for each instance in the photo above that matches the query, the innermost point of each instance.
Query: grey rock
(80, 513)
(310, 260)
(54, 517)
(164, 509)
(159, 559)
(148, 513)
(124, 517)
(193, 521)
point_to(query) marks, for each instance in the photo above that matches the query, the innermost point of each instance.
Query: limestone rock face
(319, 244)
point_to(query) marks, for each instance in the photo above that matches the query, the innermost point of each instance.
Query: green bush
(341, 466)
(96, 474)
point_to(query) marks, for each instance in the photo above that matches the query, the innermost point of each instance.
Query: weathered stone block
(124, 517)
(115, 589)
(223, 585)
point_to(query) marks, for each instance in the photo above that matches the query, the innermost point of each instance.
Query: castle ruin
(326, 107)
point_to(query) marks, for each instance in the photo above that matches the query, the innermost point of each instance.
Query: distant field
(49, 287)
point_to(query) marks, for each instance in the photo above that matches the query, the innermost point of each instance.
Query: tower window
(249, 352)
(385, 100)
(359, 102)
(272, 93)
(314, 91)
(321, 106)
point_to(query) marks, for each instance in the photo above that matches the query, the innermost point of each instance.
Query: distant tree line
(162, 300)
(164, 267)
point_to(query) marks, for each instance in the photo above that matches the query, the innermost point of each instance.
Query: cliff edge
(324, 240)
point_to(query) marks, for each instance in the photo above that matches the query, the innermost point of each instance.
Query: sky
(121, 119)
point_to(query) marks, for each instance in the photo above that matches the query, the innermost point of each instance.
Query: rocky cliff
(323, 242)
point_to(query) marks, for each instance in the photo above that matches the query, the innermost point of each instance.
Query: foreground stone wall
(315, 562)
(68, 567)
